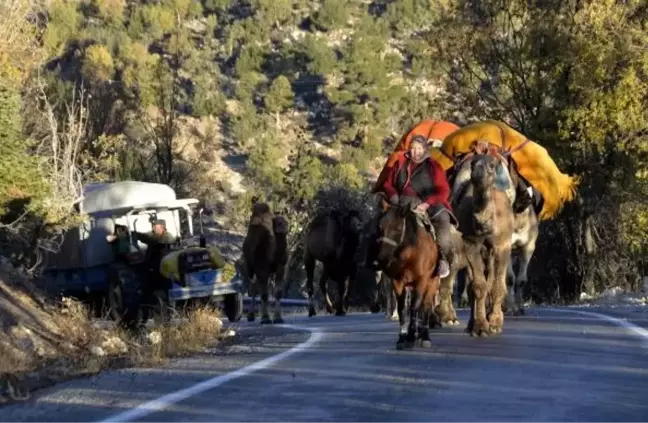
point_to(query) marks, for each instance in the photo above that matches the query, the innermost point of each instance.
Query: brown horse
(332, 239)
(408, 254)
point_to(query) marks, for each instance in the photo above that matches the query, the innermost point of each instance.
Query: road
(547, 366)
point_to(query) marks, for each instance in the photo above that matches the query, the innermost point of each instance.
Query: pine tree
(21, 182)
(279, 97)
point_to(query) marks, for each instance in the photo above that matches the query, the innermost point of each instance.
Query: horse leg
(402, 295)
(309, 264)
(263, 280)
(412, 328)
(252, 311)
(424, 309)
(349, 284)
(498, 291)
(394, 306)
(433, 319)
(471, 319)
(323, 287)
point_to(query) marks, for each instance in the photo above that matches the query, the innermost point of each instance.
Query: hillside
(279, 92)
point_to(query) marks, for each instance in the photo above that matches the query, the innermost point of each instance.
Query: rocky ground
(42, 343)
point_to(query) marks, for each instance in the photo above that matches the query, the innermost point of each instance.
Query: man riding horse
(415, 176)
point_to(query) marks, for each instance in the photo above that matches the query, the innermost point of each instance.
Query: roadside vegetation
(45, 343)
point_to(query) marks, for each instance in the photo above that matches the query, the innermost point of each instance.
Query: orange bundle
(430, 129)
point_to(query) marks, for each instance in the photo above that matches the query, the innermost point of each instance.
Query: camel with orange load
(537, 190)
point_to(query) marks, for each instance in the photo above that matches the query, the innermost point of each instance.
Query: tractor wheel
(125, 296)
(233, 306)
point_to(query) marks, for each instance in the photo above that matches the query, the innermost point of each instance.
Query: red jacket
(433, 181)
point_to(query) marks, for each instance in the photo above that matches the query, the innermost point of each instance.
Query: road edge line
(167, 400)
(624, 323)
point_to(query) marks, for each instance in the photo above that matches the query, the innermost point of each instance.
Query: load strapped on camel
(531, 159)
(433, 130)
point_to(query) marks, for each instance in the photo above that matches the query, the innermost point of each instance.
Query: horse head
(392, 229)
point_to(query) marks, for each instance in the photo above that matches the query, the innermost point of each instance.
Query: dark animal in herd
(491, 225)
(332, 239)
(265, 254)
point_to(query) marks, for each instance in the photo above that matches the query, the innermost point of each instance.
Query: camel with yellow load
(536, 188)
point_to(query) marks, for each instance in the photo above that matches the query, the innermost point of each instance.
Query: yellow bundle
(532, 160)
(169, 263)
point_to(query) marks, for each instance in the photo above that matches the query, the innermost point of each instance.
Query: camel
(445, 314)
(484, 209)
(525, 235)
(332, 239)
(524, 239)
(265, 254)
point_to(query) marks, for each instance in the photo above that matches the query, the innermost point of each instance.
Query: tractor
(104, 261)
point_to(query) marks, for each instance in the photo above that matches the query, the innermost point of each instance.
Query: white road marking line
(637, 330)
(175, 397)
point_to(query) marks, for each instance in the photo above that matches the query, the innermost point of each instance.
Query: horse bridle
(390, 241)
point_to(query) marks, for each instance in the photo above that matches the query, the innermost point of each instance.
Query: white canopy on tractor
(127, 203)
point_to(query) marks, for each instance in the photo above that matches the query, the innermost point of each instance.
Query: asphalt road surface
(547, 366)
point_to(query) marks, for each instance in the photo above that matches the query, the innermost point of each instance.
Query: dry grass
(201, 330)
(41, 344)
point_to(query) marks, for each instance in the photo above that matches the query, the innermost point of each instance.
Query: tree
(64, 23)
(322, 59)
(279, 97)
(111, 11)
(98, 64)
(22, 187)
(264, 163)
(570, 75)
(333, 14)
(21, 182)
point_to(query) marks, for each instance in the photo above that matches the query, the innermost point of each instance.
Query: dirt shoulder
(42, 343)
